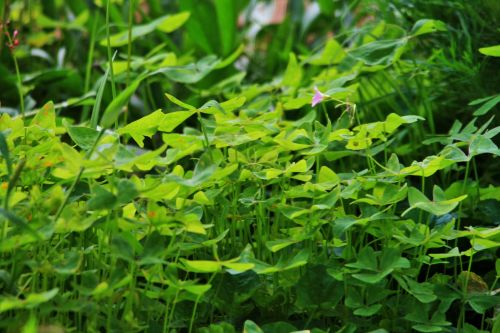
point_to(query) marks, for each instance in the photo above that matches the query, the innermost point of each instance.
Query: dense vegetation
(220, 166)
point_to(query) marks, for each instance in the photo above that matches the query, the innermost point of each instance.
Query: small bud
(14, 35)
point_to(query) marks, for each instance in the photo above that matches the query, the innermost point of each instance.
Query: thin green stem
(110, 58)
(193, 314)
(18, 73)
(88, 68)
(77, 178)
(131, 6)
(12, 184)
(459, 218)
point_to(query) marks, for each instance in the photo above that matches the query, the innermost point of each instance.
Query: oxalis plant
(275, 207)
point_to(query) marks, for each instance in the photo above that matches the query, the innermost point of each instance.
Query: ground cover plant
(245, 166)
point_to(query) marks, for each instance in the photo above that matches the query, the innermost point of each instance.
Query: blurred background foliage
(56, 39)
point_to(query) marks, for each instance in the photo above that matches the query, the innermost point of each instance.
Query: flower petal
(317, 98)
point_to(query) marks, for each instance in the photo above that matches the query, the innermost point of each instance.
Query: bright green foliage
(167, 23)
(493, 51)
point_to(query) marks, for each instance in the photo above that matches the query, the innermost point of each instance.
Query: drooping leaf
(493, 51)
(167, 23)
(191, 73)
(293, 73)
(173, 119)
(29, 302)
(490, 103)
(114, 108)
(332, 53)
(380, 52)
(201, 266)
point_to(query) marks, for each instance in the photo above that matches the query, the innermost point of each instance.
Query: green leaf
(372, 278)
(482, 145)
(166, 24)
(316, 289)
(455, 252)
(31, 325)
(429, 166)
(385, 194)
(84, 137)
(293, 73)
(232, 57)
(145, 127)
(368, 311)
(227, 16)
(101, 199)
(172, 22)
(173, 119)
(391, 259)
(491, 102)
(126, 191)
(379, 265)
(481, 303)
(493, 51)
(191, 73)
(367, 259)
(482, 244)
(251, 327)
(46, 117)
(4, 150)
(328, 176)
(380, 52)
(332, 53)
(427, 328)
(180, 103)
(279, 327)
(101, 83)
(468, 328)
(437, 207)
(19, 222)
(114, 108)
(276, 245)
(201, 266)
(31, 301)
(125, 245)
(300, 166)
(425, 26)
(237, 267)
(202, 27)
(424, 291)
(68, 264)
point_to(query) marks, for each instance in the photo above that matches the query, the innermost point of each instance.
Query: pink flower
(318, 97)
